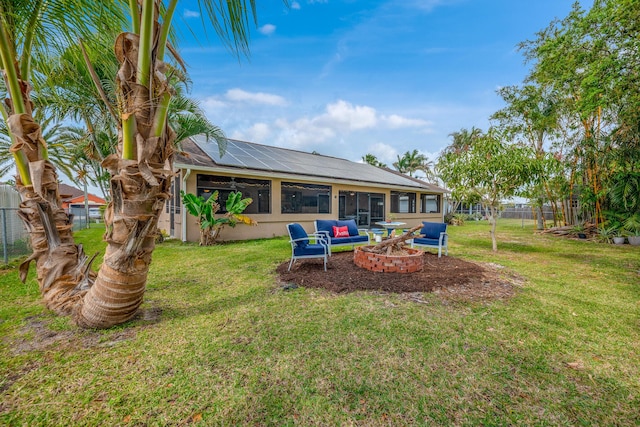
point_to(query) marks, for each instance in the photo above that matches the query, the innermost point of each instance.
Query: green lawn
(220, 343)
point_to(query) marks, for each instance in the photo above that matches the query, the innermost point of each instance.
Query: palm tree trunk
(140, 186)
(119, 288)
(63, 270)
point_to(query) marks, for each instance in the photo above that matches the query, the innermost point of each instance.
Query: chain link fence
(525, 212)
(80, 218)
(14, 237)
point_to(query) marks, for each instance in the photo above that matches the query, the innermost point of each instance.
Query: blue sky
(351, 77)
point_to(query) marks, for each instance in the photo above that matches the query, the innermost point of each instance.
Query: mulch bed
(447, 276)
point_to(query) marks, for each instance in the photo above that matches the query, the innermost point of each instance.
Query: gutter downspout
(184, 211)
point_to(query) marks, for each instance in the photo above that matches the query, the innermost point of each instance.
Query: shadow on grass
(183, 311)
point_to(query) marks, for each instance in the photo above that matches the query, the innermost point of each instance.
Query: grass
(222, 344)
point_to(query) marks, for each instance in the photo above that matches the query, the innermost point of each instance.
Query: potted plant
(632, 229)
(618, 237)
(606, 234)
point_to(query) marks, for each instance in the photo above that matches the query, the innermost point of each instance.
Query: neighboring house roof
(249, 156)
(68, 192)
(95, 200)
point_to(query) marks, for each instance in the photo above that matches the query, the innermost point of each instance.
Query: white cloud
(383, 152)
(239, 95)
(310, 133)
(342, 52)
(395, 121)
(295, 5)
(303, 134)
(429, 5)
(191, 14)
(348, 117)
(259, 133)
(267, 29)
(342, 129)
(211, 103)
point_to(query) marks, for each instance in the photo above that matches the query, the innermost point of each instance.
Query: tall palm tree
(30, 31)
(373, 161)
(78, 88)
(140, 169)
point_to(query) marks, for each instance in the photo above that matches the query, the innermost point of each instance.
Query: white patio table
(390, 226)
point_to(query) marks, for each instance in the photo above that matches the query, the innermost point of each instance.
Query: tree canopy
(578, 113)
(489, 168)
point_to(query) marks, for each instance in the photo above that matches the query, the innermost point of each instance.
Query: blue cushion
(325, 225)
(313, 249)
(423, 241)
(351, 225)
(432, 230)
(345, 240)
(297, 232)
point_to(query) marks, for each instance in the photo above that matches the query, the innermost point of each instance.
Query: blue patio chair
(302, 247)
(434, 235)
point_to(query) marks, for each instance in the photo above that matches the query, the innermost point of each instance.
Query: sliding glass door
(365, 208)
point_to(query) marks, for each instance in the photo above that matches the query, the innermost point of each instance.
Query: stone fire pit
(410, 261)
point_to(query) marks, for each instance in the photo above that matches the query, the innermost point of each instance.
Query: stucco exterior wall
(274, 224)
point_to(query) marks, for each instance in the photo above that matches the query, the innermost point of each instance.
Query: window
(429, 203)
(403, 202)
(173, 202)
(257, 189)
(305, 198)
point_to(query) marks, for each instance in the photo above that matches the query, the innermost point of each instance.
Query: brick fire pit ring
(410, 263)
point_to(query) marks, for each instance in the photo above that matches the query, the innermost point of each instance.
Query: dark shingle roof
(68, 192)
(251, 156)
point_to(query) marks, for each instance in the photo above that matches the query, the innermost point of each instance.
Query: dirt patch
(37, 334)
(448, 276)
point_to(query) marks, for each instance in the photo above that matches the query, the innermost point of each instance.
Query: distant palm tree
(411, 162)
(373, 161)
(6, 158)
(463, 139)
(429, 169)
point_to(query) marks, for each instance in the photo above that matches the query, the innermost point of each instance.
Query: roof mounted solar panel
(248, 155)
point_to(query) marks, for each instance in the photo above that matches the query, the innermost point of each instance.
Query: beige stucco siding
(274, 224)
